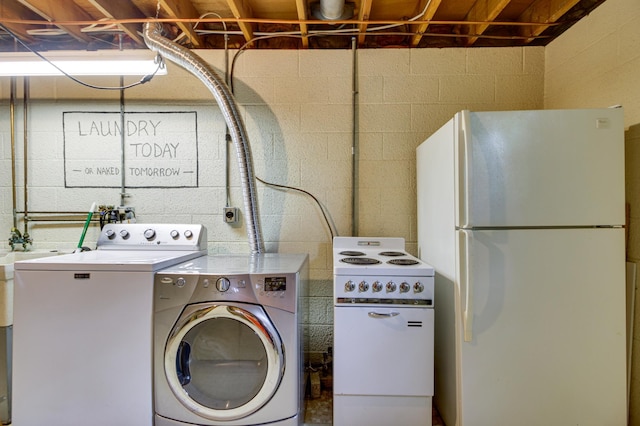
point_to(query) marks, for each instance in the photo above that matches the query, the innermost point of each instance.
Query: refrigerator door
(542, 314)
(540, 168)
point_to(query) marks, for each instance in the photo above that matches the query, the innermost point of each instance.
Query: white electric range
(383, 334)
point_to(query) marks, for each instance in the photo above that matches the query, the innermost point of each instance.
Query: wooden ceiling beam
(52, 11)
(363, 15)
(242, 10)
(301, 8)
(14, 11)
(420, 29)
(544, 12)
(183, 9)
(122, 9)
(483, 11)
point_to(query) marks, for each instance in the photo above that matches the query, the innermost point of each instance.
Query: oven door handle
(383, 315)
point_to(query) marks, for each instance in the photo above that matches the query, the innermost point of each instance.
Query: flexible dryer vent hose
(197, 66)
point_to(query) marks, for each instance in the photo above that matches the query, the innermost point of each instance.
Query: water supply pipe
(191, 62)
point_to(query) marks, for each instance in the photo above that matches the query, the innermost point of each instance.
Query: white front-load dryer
(228, 341)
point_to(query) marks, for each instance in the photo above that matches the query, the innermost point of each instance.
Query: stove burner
(360, 261)
(392, 253)
(351, 253)
(403, 262)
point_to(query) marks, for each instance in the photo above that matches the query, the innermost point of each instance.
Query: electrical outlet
(230, 215)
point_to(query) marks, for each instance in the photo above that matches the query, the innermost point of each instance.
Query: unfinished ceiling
(287, 24)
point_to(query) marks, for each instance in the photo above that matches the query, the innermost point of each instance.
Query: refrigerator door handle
(464, 136)
(465, 238)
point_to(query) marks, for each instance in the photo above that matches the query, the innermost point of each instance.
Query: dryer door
(224, 361)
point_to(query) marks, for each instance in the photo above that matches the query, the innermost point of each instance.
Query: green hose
(86, 226)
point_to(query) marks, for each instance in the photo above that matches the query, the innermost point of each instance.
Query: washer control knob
(174, 234)
(349, 286)
(223, 284)
(180, 282)
(110, 233)
(391, 287)
(124, 234)
(363, 286)
(376, 286)
(188, 234)
(418, 287)
(149, 234)
(404, 287)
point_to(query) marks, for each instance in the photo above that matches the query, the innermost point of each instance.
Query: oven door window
(224, 361)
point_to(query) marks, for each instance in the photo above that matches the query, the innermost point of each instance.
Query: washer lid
(109, 260)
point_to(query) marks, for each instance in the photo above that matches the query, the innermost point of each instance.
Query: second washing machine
(228, 341)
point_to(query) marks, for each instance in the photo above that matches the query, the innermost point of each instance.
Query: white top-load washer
(83, 327)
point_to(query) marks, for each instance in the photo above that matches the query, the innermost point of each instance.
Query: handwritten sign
(160, 149)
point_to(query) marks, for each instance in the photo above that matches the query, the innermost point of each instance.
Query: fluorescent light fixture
(109, 62)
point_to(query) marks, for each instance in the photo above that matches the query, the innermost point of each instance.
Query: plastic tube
(86, 226)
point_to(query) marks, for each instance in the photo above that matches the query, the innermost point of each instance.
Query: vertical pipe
(12, 117)
(123, 193)
(26, 152)
(355, 197)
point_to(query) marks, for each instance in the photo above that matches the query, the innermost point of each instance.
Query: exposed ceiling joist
(122, 9)
(544, 12)
(303, 12)
(13, 11)
(183, 9)
(363, 15)
(483, 11)
(432, 7)
(52, 12)
(241, 10)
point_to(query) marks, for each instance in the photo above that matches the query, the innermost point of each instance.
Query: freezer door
(543, 319)
(540, 168)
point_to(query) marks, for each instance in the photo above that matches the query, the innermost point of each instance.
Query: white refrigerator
(522, 215)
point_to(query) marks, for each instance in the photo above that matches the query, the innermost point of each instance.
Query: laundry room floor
(318, 411)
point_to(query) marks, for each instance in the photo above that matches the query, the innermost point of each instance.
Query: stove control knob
(349, 286)
(149, 234)
(391, 287)
(376, 286)
(404, 287)
(363, 286)
(418, 287)
(223, 284)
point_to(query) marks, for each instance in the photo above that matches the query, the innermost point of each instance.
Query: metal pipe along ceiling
(197, 66)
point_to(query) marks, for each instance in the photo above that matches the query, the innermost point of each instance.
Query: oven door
(383, 350)
(224, 361)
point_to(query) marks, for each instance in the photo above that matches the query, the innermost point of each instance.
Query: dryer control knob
(110, 233)
(124, 234)
(223, 284)
(188, 234)
(180, 282)
(174, 234)
(149, 234)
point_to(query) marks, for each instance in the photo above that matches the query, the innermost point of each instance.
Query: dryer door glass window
(224, 361)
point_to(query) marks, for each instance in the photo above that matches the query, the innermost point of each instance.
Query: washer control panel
(141, 236)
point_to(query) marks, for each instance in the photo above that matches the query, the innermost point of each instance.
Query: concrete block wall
(298, 110)
(596, 64)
